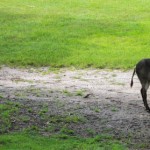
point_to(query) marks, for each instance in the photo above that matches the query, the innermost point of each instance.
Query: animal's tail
(131, 84)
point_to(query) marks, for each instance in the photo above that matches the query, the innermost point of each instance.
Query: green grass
(6, 111)
(82, 33)
(23, 141)
(19, 132)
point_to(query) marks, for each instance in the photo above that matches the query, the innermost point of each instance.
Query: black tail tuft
(131, 84)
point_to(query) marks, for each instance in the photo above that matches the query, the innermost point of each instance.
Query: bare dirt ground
(102, 98)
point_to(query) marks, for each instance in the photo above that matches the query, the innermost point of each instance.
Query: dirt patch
(90, 101)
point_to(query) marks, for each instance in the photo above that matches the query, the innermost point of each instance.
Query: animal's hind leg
(144, 95)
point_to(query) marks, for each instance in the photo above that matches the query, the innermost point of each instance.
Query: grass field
(82, 33)
(22, 141)
(30, 137)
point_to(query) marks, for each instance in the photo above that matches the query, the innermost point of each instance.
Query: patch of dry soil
(103, 97)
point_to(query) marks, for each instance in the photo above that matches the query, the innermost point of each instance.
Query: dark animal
(142, 70)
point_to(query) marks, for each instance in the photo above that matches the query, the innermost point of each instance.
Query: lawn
(28, 136)
(80, 33)
(24, 141)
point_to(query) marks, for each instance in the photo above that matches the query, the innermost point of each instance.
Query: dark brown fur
(143, 72)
